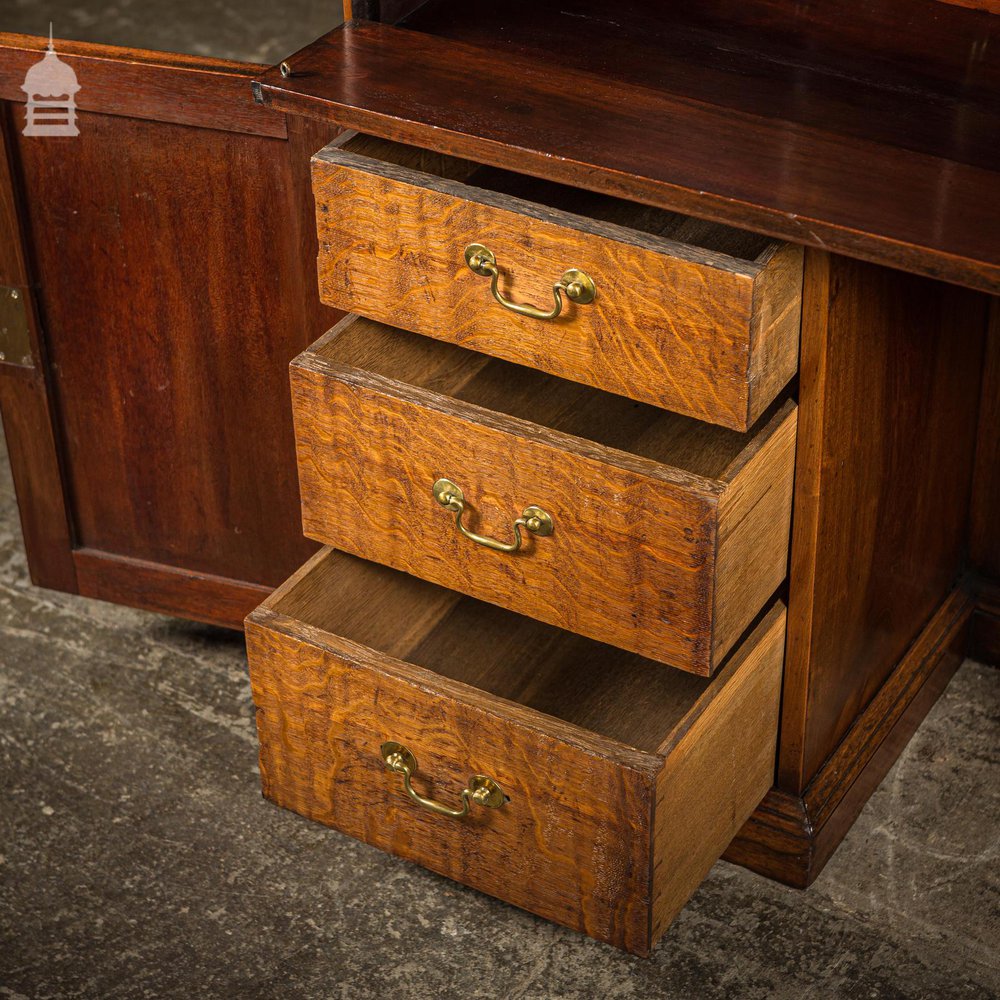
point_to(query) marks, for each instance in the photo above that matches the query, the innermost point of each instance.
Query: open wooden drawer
(665, 536)
(693, 316)
(615, 785)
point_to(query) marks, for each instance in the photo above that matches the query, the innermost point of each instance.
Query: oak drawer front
(669, 561)
(622, 786)
(690, 316)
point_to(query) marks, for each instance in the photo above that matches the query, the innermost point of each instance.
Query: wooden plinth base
(791, 837)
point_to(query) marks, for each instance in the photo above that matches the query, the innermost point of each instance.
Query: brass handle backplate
(574, 284)
(536, 520)
(481, 790)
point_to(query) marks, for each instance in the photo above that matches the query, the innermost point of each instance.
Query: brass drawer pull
(578, 287)
(536, 520)
(481, 790)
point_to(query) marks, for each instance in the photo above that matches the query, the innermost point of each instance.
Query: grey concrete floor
(246, 30)
(137, 858)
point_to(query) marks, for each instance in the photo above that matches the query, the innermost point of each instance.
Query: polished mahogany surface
(873, 131)
(922, 73)
(169, 252)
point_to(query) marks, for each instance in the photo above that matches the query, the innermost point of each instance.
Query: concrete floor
(246, 30)
(137, 858)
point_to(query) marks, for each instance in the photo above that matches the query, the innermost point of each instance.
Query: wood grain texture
(34, 461)
(680, 325)
(984, 640)
(637, 542)
(615, 696)
(26, 406)
(882, 488)
(168, 356)
(154, 86)
(905, 70)
(754, 515)
(573, 843)
(927, 199)
(167, 426)
(984, 529)
(791, 837)
(714, 755)
(169, 590)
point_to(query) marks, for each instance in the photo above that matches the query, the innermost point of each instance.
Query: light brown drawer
(668, 534)
(691, 316)
(621, 784)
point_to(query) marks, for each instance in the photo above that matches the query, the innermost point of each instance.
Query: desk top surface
(873, 133)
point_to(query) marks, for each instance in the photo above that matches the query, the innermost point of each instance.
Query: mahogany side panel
(173, 267)
(884, 463)
(174, 293)
(984, 533)
(26, 405)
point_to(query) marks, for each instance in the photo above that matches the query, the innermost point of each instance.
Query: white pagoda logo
(51, 88)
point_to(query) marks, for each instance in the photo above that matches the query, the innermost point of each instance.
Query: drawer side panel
(718, 771)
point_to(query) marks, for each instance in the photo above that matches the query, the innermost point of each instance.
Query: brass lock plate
(15, 342)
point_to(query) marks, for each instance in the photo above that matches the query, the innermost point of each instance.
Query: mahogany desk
(166, 263)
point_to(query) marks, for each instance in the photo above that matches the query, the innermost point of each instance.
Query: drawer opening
(681, 445)
(598, 688)
(614, 218)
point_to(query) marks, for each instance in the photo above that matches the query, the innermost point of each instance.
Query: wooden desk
(871, 139)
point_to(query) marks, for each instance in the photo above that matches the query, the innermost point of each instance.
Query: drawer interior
(615, 218)
(598, 688)
(670, 439)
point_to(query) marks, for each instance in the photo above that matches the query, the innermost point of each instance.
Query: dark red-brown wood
(914, 67)
(171, 590)
(927, 198)
(889, 377)
(173, 254)
(26, 403)
(984, 532)
(158, 86)
(984, 641)
(878, 621)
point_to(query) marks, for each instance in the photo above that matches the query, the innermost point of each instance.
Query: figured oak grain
(718, 770)
(692, 316)
(638, 496)
(348, 654)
